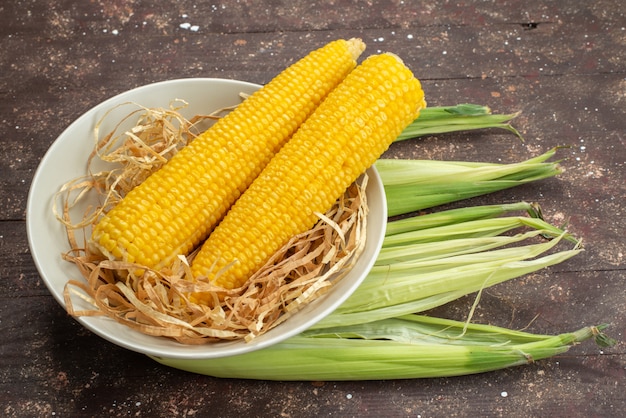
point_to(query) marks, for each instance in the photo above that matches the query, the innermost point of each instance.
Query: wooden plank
(460, 51)
(18, 276)
(67, 18)
(560, 63)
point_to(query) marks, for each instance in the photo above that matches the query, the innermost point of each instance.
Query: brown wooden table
(563, 64)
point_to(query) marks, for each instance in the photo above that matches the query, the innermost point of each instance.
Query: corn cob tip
(356, 46)
(422, 104)
(391, 54)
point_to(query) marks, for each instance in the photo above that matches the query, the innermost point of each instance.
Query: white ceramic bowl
(66, 160)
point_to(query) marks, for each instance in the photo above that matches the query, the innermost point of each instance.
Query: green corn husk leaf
(468, 229)
(401, 348)
(451, 216)
(436, 258)
(434, 250)
(413, 185)
(402, 288)
(409, 172)
(461, 117)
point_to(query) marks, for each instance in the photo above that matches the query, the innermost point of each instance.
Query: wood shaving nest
(159, 303)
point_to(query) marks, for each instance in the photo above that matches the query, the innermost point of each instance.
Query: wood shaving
(161, 303)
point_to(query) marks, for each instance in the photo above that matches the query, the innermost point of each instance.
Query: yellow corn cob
(177, 207)
(345, 135)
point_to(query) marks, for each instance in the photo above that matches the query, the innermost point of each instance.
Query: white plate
(66, 160)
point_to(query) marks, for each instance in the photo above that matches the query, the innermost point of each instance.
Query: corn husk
(407, 347)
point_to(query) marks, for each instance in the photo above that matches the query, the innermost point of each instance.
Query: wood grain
(562, 64)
